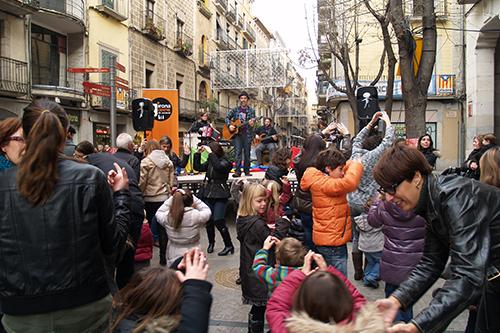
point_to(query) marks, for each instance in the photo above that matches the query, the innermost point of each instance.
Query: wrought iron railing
(74, 8)
(221, 4)
(231, 14)
(13, 76)
(153, 25)
(184, 44)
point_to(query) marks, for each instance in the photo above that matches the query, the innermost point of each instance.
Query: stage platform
(256, 176)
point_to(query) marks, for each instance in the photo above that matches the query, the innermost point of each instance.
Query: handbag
(202, 192)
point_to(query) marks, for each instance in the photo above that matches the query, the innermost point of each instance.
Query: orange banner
(166, 103)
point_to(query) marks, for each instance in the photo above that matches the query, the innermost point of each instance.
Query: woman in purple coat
(403, 246)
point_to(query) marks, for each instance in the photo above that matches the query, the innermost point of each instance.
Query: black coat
(217, 172)
(135, 164)
(251, 231)
(430, 156)
(195, 310)
(104, 161)
(52, 254)
(462, 222)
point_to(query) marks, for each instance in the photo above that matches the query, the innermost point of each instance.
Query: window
(150, 8)
(245, 44)
(418, 8)
(109, 3)
(48, 57)
(149, 79)
(180, 31)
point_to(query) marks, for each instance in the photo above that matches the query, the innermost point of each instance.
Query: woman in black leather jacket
(58, 224)
(463, 223)
(215, 192)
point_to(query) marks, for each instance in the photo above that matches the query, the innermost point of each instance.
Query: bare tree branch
(380, 70)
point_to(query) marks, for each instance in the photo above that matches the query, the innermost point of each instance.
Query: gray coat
(368, 186)
(370, 239)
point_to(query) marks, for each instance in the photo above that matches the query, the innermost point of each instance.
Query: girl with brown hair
(321, 296)
(164, 300)
(182, 216)
(490, 167)
(58, 225)
(156, 180)
(11, 142)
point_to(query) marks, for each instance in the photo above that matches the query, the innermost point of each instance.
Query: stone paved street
(228, 315)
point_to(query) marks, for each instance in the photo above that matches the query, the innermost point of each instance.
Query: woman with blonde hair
(182, 216)
(156, 181)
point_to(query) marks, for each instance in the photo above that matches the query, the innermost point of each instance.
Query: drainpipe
(462, 98)
(27, 34)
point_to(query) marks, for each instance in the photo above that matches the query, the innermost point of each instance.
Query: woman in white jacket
(182, 216)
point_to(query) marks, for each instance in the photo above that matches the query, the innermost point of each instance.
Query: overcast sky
(288, 17)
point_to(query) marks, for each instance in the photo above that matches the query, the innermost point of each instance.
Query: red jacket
(279, 307)
(144, 249)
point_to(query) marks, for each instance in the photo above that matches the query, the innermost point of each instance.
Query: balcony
(221, 5)
(240, 23)
(249, 32)
(202, 7)
(67, 85)
(414, 9)
(187, 108)
(203, 60)
(19, 7)
(13, 77)
(221, 39)
(183, 44)
(231, 14)
(117, 9)
(153, 26)
(65, 15)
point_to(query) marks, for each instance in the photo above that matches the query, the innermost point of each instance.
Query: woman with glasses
(463, 224)
(11, 142)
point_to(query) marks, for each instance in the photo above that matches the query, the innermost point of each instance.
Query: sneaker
(371, 284)
(236, 174)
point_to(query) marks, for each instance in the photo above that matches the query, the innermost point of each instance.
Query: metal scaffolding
(249, 68)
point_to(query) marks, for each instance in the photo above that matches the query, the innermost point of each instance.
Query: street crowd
(79, 225)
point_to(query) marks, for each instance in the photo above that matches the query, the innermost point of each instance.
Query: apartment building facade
(446, 90)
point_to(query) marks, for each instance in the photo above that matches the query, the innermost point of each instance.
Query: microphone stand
(190, 148)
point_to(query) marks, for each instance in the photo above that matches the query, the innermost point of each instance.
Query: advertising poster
(166, 104)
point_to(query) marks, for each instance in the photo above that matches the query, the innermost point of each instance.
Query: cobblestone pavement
(228, 315)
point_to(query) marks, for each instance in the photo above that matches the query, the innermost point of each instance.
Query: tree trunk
(415, 88)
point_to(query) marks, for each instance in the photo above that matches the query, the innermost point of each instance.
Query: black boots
(210, 247)
(226, 237)
(255, 325)
(226, 251)
(357, 261)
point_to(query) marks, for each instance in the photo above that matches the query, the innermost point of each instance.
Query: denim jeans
(335, 256)
(404, 316)
(307, 222)
(372, 268)
(242, 145)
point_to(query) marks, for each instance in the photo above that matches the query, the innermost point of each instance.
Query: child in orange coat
(329, 182)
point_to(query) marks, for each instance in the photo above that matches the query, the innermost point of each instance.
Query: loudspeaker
(367, 102)
(143, 114)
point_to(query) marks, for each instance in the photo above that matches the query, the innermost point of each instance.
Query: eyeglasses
(391, 190)
(16, 138)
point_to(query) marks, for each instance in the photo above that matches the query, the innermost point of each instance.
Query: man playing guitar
(268, 139)
(243, 139)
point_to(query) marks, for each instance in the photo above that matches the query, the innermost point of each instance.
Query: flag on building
(445, 85)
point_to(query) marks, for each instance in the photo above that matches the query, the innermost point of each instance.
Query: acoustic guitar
(227, 134)
(263, 137)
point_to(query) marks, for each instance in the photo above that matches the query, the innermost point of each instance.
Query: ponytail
(182, 198)
(44, 124)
